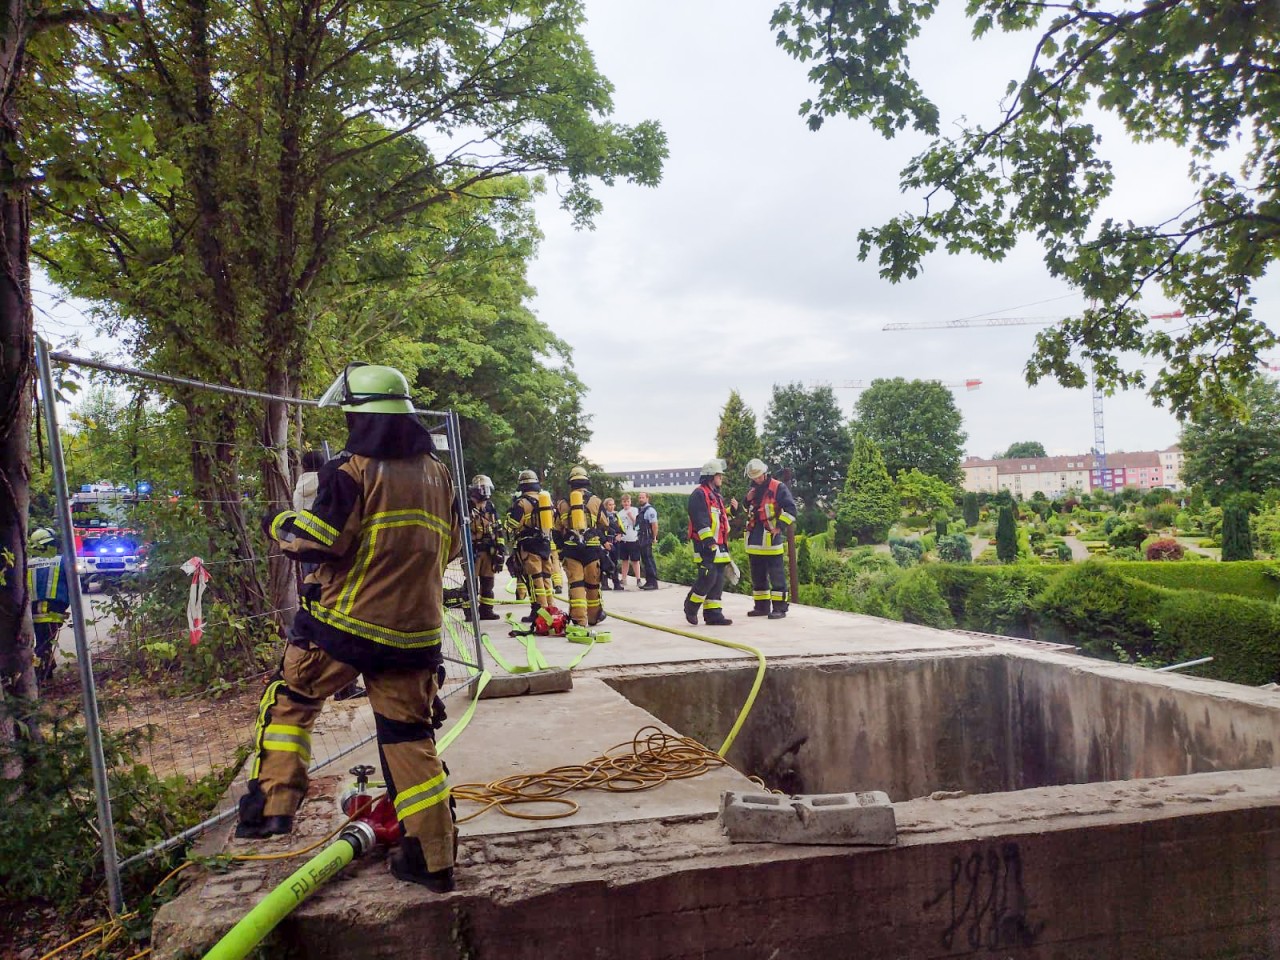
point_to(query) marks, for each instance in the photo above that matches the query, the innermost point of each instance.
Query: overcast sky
(740, 270)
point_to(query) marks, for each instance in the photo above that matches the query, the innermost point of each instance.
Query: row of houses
(1025, 476)
(1055, 476)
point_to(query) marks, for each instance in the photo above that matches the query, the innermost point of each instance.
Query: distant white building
(1055, 476)
(660, 479)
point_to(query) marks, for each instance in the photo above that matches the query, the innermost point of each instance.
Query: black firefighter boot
(761, 609)
(408, 864)
(691, 609)
(715, 618)
(486, 600)
(779, 610)
(253, 825)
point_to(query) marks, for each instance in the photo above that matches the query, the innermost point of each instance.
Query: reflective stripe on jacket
(383, 532)
(708, 518)
(770, 509)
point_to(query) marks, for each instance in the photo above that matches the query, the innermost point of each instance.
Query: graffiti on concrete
(987, 901)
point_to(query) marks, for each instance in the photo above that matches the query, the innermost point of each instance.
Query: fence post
(84, 661)
(453, 431)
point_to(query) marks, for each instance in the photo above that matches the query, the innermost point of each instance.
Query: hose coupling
(360, 835)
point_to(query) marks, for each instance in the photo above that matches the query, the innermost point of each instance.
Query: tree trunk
(17, 676)
(282, 579)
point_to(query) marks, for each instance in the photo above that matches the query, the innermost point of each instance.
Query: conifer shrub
(917, 599)
(1094, 607)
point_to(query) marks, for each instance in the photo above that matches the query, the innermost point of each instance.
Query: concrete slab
(1163, 867)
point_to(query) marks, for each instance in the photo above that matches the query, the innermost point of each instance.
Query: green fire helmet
(41, 537)
(369, 388)
(756, 468)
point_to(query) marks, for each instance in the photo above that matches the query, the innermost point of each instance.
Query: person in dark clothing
(385, 523)
(708, 532)
(647, 536)
(771, 510)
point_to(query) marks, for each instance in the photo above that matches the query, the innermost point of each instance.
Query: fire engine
(107, 548)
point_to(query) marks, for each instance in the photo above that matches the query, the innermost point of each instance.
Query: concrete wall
(980, 724)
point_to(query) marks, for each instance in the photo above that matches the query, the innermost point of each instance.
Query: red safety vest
(766, 507)
(715, 504)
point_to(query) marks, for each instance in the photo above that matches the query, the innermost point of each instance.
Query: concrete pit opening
(976, 724)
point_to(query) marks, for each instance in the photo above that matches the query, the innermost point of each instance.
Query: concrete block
(825, 818)
(554, 680)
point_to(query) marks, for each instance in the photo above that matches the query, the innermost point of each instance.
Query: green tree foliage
(868, 504)
(736, 442)
(920, 493)
(917, 598)
(915, 424)
(1192, 79)
(803, 431)
(1006, 536)
(970, 509)
(954, 548)
(306, 194)
(1237, 451)
(1237, 541)
(1023, 448)
(1126, 534)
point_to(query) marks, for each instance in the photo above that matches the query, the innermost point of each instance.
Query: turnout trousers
(401, 701)
(707, 590)
(486, 570)
(537, 575)
(582, 567)
(769, 581)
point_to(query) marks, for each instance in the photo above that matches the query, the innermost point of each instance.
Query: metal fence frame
(93, 724)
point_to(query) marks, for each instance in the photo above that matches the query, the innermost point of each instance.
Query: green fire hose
(355, 840)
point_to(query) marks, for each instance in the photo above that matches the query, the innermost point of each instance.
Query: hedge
(1242, 635)
(1259, 579)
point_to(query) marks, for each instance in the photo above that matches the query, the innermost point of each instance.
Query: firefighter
(580, 523)
(531, 520)
(47, 574)
(771, 510)
(383, 527)
(708, 532)
(486, 543)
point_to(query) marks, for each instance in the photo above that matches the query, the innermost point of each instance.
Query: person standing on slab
(771, 510)
(646, 537)
(385, 523)
(708, 532)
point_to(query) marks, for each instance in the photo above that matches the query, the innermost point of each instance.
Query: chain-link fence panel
(180, 601)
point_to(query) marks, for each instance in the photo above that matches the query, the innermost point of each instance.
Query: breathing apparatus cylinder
(546, 513)
(577, 511)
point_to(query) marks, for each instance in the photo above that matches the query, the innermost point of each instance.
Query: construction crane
(970, 384)
(1099, 431)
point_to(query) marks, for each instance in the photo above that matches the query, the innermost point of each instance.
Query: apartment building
(661, 480)
(1055, 476)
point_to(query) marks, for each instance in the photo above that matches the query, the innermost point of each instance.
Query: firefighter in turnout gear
(771, 510)
(47, 574)
(578, 530)
(708, 532)
(486, 542)
(384, 525)
(531, 520)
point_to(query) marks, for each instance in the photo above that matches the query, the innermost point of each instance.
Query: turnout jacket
(708, 519)
(597, 522)
(47, 588)
(484, 525)
(770, 510)
(522, 522)
(382, 530)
